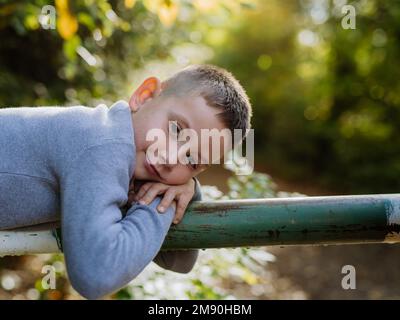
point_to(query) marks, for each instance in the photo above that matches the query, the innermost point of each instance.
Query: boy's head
(198, 97)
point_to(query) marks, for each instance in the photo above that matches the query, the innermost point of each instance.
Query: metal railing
(260, 222)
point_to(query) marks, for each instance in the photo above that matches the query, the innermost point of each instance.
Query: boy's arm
(103, 250)
(181, 261)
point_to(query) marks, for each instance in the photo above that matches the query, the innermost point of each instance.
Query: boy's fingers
(180, 209)
(173, 204)
(155, 190)
(166, 201)
(143, 189)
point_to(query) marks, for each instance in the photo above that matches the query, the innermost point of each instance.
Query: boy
(75, 165)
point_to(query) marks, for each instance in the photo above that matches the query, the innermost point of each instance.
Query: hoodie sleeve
(181, 261)
(105, 249)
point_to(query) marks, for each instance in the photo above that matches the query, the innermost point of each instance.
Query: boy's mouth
(151, 168)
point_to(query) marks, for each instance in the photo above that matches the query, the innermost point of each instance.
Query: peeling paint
(393, 211)
(392, 237)
(393, 220)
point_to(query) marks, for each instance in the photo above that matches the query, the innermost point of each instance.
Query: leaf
(67, 24)
(86, 20)
(168, 13)
(62, 5)
(70, 46)
(129, 3)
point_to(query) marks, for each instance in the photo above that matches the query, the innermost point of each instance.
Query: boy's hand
(131, 193)
(182, 194)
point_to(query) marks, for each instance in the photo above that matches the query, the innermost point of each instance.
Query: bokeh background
(326, 117)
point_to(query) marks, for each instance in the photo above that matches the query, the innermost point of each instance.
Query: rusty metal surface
(288, 221)
(259, 222)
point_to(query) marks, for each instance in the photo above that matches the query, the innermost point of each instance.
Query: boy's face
(150, 112)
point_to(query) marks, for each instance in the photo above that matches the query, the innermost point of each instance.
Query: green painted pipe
(288, 221)
(261, 222)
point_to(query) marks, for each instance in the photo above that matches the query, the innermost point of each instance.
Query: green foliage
(326, 99)
(203, 291)
(94, 49)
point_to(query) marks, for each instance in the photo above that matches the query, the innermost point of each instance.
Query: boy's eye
(174, 128)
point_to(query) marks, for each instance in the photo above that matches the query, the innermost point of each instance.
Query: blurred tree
(95, 46)
(326, 99)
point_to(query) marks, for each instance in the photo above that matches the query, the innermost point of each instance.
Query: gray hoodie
(72, 165)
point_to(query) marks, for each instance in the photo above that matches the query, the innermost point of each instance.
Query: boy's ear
(150, 88)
